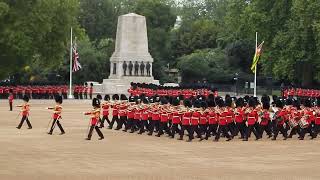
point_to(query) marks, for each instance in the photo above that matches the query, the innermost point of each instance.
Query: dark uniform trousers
(122, 121)
(163, 127)
(104, 118)
(211, 130)
(128, 124)
(251, 128)
(143, 126)
(174, 129)
(277, 128)
(10, 105)
(24, 118)
(97, 130)
(55, 121)
(224, 130)
(114, 119)
(240, 127)
(189, 130)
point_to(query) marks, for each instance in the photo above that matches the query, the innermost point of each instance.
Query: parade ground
(33, 154)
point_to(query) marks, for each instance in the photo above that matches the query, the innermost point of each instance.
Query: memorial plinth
(131, 60)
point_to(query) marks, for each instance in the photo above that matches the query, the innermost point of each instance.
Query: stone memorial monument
(131, 60)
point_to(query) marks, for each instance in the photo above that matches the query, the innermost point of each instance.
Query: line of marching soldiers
(204, 117)
(299, 92)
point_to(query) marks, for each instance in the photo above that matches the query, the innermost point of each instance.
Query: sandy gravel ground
(32, 154)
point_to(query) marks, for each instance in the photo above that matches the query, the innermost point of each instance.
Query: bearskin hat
(220, 102)
(131, 99)
(318, 102)
(123, 97)
(266, 105)
(145, 100)
(211, 103)
(240, 102)
(279, 103)
(307, 103)
(175, 102)
(265, 98)
(151, 100)
(252, 102)
(99, 96)
(181, 97)
(25, 98)
(204, 104)
(96, 102)
(10, 90)
(228, 101)
(115, 97)
(106, 97)
(211, 96)
(187, 103)
(163, 100)
(289, 101)
(197, 103)
(58, 99)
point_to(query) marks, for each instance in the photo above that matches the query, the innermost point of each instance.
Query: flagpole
(255, 71)
(70, 96)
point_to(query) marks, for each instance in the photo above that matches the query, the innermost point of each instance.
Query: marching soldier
(57, 109)
(222, 113)
(95, 116)
(252, 118)
(186, 118)
(105, 111)
(10, 98)
(279, 120)
(25, 112)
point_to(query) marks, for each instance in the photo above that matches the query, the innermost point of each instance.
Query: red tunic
(105, 109)
(164, 117)
(145, 114)
(115, 110)
(130, 114)
(212, 117)
(229, 116)
(186, 118)
(195, 118)
(265, 118)
(239, 116)
(222, 118)
(176, 117)
(203, 118)
(252, 117)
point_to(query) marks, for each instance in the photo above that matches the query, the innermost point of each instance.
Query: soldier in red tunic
(239, 118)
(10, 98)
(105, 111)
(265, 118)
(122, 112)
(252, 118)
(176, 118)
(316, 128)
(144, 116)
(95, 116)
(57, 109)
(115, 110)
(308, 115)
(212, 119)
(222, 113)
(25, 112)
(186, 118)
(279, 120)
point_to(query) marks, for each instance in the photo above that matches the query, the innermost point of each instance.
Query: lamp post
(236, 83)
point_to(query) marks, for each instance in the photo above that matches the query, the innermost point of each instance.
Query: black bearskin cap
(197, 104)
(265, 98)
(123, 97)
(96, 102)
(240, 102)
(211, 103)
(115, 97)
(25, 98)
(204, 104)
(220, 102)
(279, 103)
(99, 96)
(175, 102)
(265, 105)
(228, 101)
(307, 103)
(106, 97)
(187, 103)
(289, 101)
(58, 99)
(252, 102)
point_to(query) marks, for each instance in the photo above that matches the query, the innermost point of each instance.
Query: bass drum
(292, 123)
(303, 123)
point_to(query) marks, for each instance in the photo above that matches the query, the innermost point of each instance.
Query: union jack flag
(76, 64)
